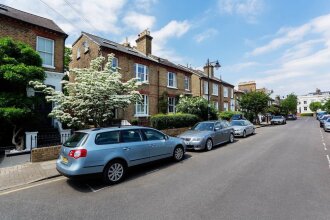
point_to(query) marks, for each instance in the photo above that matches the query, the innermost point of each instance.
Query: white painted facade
(305, 100)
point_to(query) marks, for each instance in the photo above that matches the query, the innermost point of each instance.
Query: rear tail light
(78, 153)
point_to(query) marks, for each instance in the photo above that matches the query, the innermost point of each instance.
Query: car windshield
(204, 126)
(328, 120)
(237, 123)
(325, 117)
(236, 117)
(277, 117)
(75, 139)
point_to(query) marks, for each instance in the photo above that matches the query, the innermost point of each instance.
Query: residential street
(282, 172)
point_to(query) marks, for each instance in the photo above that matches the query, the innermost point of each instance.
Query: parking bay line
(31, 186)
(328, 159)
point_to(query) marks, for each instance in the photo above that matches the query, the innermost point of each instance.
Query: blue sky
(282, 45)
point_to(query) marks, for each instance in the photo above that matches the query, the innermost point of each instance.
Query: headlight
(196, 139)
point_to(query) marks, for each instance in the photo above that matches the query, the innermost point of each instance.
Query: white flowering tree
(92, 96)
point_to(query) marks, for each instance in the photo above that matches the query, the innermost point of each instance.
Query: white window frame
(115, 66)
(145, 74)
(232, 105)
(215, 91)
(187, 83)
(174, 80)
(53, 54)
(225, 92)
(78, 53)
(86, 46)
(231, 93)
(216, 105)
(206, 88)
(225, 106)
(145, 103)
(171, 104)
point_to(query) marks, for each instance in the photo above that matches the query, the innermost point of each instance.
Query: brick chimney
(143, 43)
(211, 69)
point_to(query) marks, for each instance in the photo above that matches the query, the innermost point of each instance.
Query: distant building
(305, 100)
(246, 87)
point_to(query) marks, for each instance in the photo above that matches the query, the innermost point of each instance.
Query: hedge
(226, 115)
(306, 114)
(178, 120)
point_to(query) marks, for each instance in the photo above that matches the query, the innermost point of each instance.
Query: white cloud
(240, 67)
(249, 9)
(138, 21)
(144, 5)
(206, 34)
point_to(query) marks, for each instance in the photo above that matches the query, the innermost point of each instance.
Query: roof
(128, 50)
(116, 46)
(203, 75)
(30, 18)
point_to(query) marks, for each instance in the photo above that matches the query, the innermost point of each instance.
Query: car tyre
(244, 134)
(178, 153)
(209, 144)
(114, 172)
(231, 138)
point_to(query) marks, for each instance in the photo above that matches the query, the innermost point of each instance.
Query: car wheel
(209, 144)
(114, 172)
(244, 134)
(231, 138)
(178, 153)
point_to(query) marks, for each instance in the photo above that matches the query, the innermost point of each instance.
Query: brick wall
(28, 34)
(45, 153)
(175, 131)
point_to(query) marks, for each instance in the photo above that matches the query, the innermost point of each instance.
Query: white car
(278, 120)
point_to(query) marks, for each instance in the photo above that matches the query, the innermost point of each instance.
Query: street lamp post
(217, 66)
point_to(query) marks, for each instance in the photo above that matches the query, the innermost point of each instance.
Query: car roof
(115, 128)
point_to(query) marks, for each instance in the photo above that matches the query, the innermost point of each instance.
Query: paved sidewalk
(23, 174)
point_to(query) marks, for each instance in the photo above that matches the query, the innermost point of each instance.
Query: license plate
(64, 160)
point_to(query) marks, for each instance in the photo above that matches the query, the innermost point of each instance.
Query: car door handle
(126, 148)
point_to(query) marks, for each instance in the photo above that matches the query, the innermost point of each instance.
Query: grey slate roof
(115, 46)
(30, 18)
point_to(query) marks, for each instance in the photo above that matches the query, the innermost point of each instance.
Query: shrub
(178, 120)
(227, 115)
(306, 114)
(196, 106)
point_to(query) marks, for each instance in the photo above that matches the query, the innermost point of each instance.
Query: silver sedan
(242, 128)
(205, 135)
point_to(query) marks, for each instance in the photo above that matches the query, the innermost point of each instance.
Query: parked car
(237, 117)
(291, 117)
(320, 114)
(242, 128)
(205, 135)
(110, 151)
(278, 119)
(326, 125)
(323, 119)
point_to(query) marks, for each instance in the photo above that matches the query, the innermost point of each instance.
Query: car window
(110, 137)
(237, 123)
(130, 136)
(204, 126)
(75, 139)
(224, 124)
(217, 126)
(152, 135)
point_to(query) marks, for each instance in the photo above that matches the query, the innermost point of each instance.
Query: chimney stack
(211, 69)
(144, 42)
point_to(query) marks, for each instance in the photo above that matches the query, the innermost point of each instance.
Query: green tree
(254, 103)
(274, 110)
(314, 106)
(326, 106)
(93, 96)
(289, 104)
(196, 106)
(19, 64)
(67, 57)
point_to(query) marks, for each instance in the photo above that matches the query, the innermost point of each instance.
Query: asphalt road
(282, 172)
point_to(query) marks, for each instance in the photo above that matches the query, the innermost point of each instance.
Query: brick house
(44, 36)
(161, 79)
(221, 92)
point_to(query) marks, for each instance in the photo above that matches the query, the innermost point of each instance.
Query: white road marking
(328, 160)
(31, 186)
(96, 190)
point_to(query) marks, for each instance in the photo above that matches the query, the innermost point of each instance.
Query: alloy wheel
(115, 172)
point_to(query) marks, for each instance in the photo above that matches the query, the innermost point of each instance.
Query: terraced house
(46, 37)
(221, 92)
(162, 80)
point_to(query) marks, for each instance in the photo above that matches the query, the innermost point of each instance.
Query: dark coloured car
(291, 117)
(323, 119)
(237, 117)
(320, 114)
